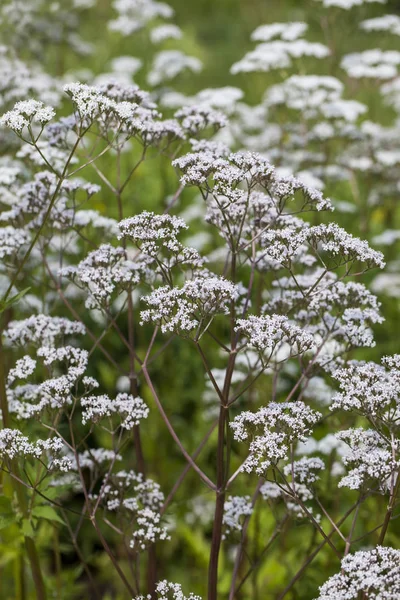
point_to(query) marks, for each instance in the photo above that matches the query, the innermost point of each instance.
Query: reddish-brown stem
(219, 509)
(187, 468)
(239, 552)
(203, 476)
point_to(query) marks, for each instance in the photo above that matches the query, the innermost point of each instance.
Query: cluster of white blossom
(284, 245)
(323, 305)
(223, 99)
(104, 274)
(267, 332)
(41, 330)
(221, 176)
(21, 80)
(372, 460)
(135, 14)
(272, 430)
(278, 53)
(55, 392)
(26, 114)
(372, 574)
(235, 508)
(12, 241)
(129, 409)
(33, 199)
(190, 307)
(13, 444)
(168, 64)
(166, 590)
(370, 389)
(286, 31)
(149, 529)
(305, 470)
(122, 110)
(93, 459)
(131, 491)
(167, 31)
(138, 500)
(390, 23)
(347, 4)
(156, 236)
(377, 63)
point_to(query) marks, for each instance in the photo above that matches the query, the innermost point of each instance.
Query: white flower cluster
(235, 508)
(168, 64)
(284, 245)
(13, 444)
(374, 574)
(167, 31)
(34, 197)
(305, 470)
(286, 31)
(127, 490)
(370, 389)
(55, 392)
(24, 367)
(304, 92)
(278, 53)
(130, 410)
(27, 400)
(140, 500)
(12, 241)
(135, 14)
(149, 529)
(134, 117)
(191, 307)
(25, 114)
(104, 274)
(166, 590)
(377, 64)
(21, 80)
(41, 330)
(200, 117)
(347, 4)
(272, 429)
(265, 333)
(93, 459)
(224, 99)
(211, 164)
(324, 306)
(156, 236)
(390, 23)
(371, 459)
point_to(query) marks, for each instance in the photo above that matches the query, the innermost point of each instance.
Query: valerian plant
(272, 308)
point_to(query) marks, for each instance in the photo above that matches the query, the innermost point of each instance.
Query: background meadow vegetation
(218, 33)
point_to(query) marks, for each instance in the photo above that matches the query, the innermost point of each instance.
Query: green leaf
(27, 528)
(5, 505)
(7, 519)
(4, 304)
(47, 512)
